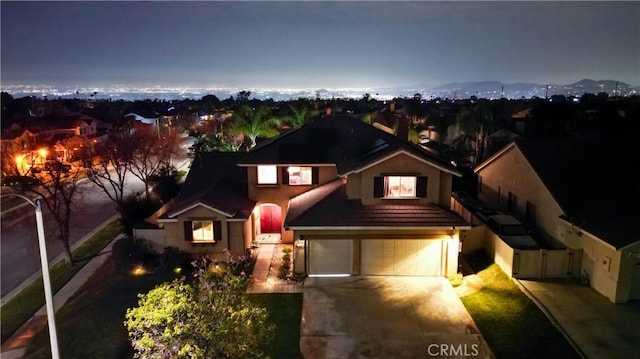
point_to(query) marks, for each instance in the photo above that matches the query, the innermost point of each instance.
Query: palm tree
(255, 123)
(300, 116)
(476, 122)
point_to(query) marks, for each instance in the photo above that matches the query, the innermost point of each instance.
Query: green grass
(285, 311)
(91, 325)
(21, 307)
(512, 325)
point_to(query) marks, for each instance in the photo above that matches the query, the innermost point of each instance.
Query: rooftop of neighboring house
(593, 181)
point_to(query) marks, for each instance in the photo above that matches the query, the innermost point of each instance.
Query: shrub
(129, 252)
(285, 267)
(136, 209)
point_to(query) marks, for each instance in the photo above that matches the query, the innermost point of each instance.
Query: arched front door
(270, 218)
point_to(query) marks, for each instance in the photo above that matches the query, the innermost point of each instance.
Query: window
(267, 175)
(299, 175)
(202, 231)
(400, 187)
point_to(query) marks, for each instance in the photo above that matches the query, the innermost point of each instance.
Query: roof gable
(216, 182)
(587, 179)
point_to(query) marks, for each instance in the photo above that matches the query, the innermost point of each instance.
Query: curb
(27, 282)
(60, 298)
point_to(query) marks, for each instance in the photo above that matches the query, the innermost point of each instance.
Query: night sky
(300, 44)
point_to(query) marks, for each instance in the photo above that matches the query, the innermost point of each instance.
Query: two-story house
(580, 193)
(354, 199)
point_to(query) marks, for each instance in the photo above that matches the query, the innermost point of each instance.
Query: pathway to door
(265, 272)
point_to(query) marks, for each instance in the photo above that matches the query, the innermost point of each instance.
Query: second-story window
(267, 175)
(299, 175)
(400, 187)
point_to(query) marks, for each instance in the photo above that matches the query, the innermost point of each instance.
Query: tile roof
(328, 206)
(343, 140)
(216, 181)
(593, 182)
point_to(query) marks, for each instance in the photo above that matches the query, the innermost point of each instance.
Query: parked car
(20, 181)
(512, 231)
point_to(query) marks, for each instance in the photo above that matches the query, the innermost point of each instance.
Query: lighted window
(399, 186)
(202, 231)
(267, 175)
(300, 175)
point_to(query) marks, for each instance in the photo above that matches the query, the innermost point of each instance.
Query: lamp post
(44, 261)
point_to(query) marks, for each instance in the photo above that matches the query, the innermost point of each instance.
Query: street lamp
(44, 261)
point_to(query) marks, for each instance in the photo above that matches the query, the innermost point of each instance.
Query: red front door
(270, 219)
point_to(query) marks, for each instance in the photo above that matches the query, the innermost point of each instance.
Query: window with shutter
(400, 187)
(202, 231)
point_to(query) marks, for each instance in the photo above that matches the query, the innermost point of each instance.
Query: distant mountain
(497, 89)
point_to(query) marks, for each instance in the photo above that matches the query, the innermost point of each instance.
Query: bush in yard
(136, 209)
(285, 267)
(212, 318)
(129, 252)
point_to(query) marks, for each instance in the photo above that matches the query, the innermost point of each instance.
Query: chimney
(392, 106)
(403, 128)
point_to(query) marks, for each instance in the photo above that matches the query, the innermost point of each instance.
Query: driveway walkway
(386, 317)
(265, 272)
(599, 328)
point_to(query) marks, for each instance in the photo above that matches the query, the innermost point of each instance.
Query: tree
(300, 116)
(255, 123)
(58, 196)
(150, 151)
(109, 169)
(212, 318)
(166, 182)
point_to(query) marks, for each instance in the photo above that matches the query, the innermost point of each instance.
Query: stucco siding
(512, 173)
(403, 164)
(175, 236)
(281, 193)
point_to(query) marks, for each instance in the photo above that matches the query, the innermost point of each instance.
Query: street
(19, 242)
(20, 256)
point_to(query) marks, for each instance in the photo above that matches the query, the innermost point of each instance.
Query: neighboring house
(35, 140)
(580, 193)
(355, 200)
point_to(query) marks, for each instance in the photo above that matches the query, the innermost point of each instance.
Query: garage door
(330, 257)
(401, 257)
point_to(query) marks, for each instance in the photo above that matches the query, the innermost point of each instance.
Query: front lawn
(285, 311)
(512, 325)
(21, 307)
(91, 324)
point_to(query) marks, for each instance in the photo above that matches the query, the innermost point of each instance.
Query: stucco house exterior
(354, 200)
(580, 193)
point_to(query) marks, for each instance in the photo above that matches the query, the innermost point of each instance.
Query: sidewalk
(15, 347)
(596, 326)
(265, 272)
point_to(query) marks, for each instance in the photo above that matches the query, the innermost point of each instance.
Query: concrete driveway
(386, 317)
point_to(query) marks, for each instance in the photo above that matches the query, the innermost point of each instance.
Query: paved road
(20, 254)
(19, 242)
